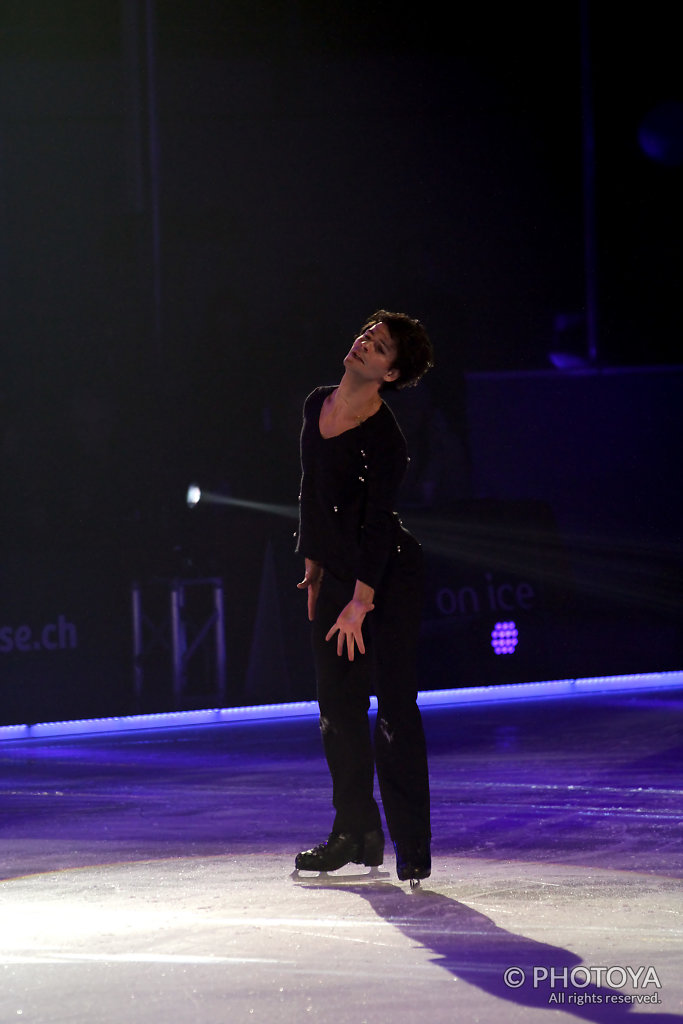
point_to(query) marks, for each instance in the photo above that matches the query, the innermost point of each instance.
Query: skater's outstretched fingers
(349, 628)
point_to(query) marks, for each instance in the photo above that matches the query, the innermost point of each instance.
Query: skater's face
(372, 355)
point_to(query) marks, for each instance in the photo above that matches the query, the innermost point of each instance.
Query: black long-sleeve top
(349, 486)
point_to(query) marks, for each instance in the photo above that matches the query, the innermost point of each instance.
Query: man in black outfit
(361, 564)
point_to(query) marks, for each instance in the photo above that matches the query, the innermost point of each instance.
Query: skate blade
(332, 878)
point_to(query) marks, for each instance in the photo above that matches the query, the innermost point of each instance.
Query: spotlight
(194, 495)
(660, 134)
(504, 637)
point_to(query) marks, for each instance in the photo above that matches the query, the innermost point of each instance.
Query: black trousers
(387, 669)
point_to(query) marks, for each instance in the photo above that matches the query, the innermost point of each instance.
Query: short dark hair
(414, 351)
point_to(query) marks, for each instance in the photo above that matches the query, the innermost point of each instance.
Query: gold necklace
(355, 416)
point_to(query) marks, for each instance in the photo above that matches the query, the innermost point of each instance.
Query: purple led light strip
(309, 709)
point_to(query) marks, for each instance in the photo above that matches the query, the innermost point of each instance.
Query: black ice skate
(343, 848)
(413, 860)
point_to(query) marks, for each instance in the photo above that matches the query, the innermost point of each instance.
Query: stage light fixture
(504, 638)
(660, 134)
(194, 495)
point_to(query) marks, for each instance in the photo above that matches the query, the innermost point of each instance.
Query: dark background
(199, 204)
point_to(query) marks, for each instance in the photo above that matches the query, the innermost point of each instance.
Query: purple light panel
(504, 638)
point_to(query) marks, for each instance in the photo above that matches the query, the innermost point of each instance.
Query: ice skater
(363, 579)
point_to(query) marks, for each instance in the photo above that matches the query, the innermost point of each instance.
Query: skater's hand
(349, 624)
(311, 582)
